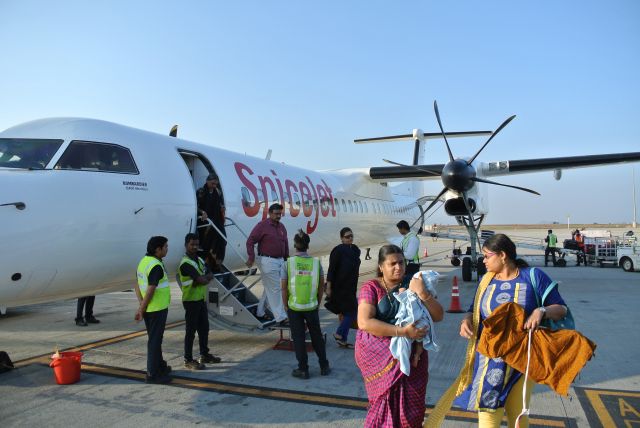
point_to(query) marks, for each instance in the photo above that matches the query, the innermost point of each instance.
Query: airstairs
(230, 299)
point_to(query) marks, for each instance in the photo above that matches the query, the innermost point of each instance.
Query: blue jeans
(345, 325)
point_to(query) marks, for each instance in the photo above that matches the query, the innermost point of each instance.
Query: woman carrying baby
(395, 399)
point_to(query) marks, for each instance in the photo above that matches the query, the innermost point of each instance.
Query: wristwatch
(543, 310)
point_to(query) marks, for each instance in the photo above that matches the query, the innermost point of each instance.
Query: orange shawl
(556, 356)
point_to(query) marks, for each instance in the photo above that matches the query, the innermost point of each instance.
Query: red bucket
(66, 367)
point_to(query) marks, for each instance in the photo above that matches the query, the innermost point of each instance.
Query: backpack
(565, 323)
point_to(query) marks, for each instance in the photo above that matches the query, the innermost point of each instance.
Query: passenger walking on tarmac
(301, 282)
(488, 385)
(211, 206)
(152, 290)
(395, 399)
(194, 277)
(86, 304)
(551, 241)
(273, 250)
(411, 248)
(342, 283)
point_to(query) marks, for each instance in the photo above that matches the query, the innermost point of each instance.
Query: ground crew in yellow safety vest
(551, 241)
(194, 278)
(411, 248)
(302, 281)
(154, 296)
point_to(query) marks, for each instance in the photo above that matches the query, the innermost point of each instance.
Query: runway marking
(609, 407)
(290, 395)
(92, 345)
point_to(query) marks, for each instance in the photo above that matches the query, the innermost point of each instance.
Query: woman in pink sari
(395, 399)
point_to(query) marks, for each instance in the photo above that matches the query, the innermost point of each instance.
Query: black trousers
(297, 320)
(196, 320)
(551, 250)
(85, 303)
(155, 322)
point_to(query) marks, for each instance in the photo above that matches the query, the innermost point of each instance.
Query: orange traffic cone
(455, 308)
(425, 254)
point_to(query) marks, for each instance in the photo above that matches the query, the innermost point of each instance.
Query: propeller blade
(435, 108)
(435, 201)
(412, 166)
(505, 123)
(482, 180)
(468, 206)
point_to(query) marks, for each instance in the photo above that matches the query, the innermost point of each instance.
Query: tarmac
(253, 385)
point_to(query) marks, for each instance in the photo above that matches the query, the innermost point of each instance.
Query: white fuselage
(83, 231)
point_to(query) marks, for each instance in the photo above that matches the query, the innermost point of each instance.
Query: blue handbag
(565, 323)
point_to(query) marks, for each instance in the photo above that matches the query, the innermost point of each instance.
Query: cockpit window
(90, 156)
(27, 152)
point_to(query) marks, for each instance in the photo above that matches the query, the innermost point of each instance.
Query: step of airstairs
(232, 304)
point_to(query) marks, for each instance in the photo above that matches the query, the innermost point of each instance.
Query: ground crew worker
(410, 247)
(194, 277)
(551, 241)
(302, 282)
(582, 255)
(152, 290)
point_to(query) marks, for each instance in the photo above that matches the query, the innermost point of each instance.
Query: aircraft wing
(509, 167)
(546, 164)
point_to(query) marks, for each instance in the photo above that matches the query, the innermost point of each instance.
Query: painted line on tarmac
(610, 407)
(44, 358)
(312, 398)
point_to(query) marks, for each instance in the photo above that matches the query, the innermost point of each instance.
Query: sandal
(345, 345)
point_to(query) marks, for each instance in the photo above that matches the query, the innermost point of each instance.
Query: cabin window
(344, 206)
(27, 152)
(336, 204)
(296, 201)
(350, 206)
(360, 206)
(366, 208)
(247, 197)
(91, 156)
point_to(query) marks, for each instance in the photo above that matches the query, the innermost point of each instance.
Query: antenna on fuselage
(174, 131)
(268, 155)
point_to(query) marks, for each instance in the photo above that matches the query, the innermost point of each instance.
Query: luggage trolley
(601, 250)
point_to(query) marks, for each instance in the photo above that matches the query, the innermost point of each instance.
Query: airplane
(79, 199)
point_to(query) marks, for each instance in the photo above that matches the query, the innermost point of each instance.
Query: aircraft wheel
(455, 261)
(627, 264)
(562, 263)
(466, 269)
(482, 269)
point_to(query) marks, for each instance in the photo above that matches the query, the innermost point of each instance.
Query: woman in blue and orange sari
(395, 399)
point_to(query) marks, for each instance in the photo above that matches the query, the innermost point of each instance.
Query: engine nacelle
(478, 201)
(456, 206)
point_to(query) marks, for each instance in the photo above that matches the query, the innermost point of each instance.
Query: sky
(307, 78)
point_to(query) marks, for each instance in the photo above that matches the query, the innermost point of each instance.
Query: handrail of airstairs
(219, 232)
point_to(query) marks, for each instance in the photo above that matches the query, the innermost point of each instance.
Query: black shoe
(92, 320)
(209, 359)
(160, 379)
(324, 371)
(194, 365)
(284, 323)
(165, 368)
(301, 374)
(81, 322)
